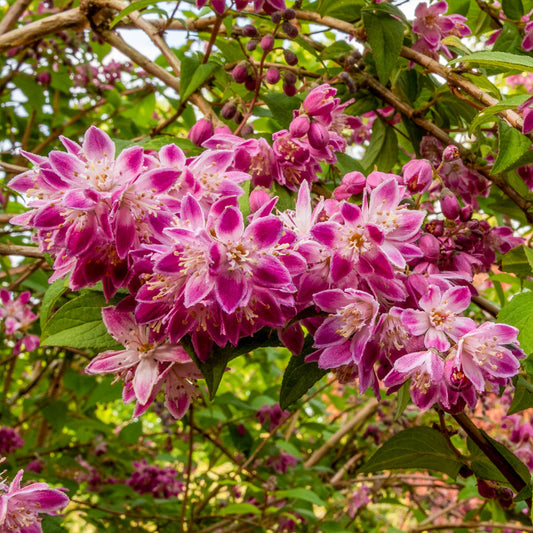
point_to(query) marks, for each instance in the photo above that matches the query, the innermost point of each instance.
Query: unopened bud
(251, 45)
(228, 110)
(289, 90)
(449, 205)
(250, 31)
(318, 135)
(290, 78)
(299, 126)
(289, 14)
(466, 213)
(290, 30)
(276, 17)
(250, 84)
(240, 73)
(267, 43)
(272, 75)
(430, 246)
(290, 57)
(450, 153)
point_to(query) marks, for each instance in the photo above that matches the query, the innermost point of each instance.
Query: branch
(472, 525)
(18, 249)
(13, 14)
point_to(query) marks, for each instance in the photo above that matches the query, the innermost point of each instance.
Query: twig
(28, 271)
(15, 169)
(365, 412)
(13, 14)
(18, 249)
(471, 525)
(189, 468)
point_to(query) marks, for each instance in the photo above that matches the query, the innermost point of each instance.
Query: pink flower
(145, 363)
(342, 337)
(10, 440)
(527, 43)
(438, 319)
(486, 356)
(20, 507)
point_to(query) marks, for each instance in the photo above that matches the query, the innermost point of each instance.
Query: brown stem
(29, 270)
(212, 38)
(471, 525)
(189, 469)
(13, 14)
(17, 249)
(488, 448)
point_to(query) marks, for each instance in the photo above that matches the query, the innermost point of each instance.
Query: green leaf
(281, 107)
(419, 447)
(301, 494)
(55, 414)
(385, 35)
(513, 9)
(519, 261)
(78, 324)
(214, 367)
(238, 508)
(519, 313)
(50, 298)
(136, 6)
(488, 113)
(523, 396)
(299, 376)
(132, 432)
(509, 40)
(503, 60)
(512, 145)
(485, 469)
(403, 398)
(383, 149)
(200, 75)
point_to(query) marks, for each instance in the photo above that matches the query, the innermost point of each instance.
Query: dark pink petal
(44, 500)
(97, 145)
(332, 300)
(229, 226)
(192, 212)
(264, 232)
(71, 146)
(335, 356)
(112, 361)
(351, 212)
(157, 180)
(81, 236)
(172, 156)
(435, 338)
(326, 232)
(119, 325)
(456, 299)
(269, 272)
(340, 267)
(124, 231)
(23, 182)
(198, 286)
(67, 165)
(130, 162)
(432, 299)
(34, 158)
(230, 290)
(326, 334)
(417, 322)
(385, 197)
(80, 199)
(48, 217)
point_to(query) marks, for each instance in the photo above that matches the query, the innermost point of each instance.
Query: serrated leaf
(519, 313)
(485, 469)
(523, 396)
(385, 35)
(200, 75)
(383, 149)
(512, 145)
(78, 324)
(497, 59)
(419, 447)
(214, 367)
(299, 376)
(301, 494)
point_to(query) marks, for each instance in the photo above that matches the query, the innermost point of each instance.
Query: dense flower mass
(388, 286)
(20, 506)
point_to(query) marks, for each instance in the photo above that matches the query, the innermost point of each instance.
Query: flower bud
(290, 30)
(352, 183)
(299, 126)
(228, 110)
(44, 78)
(200, 132)
(450, 153)
(486, 489)
(240, 73)
(250, 31)
(250, 83)
(258, 197)
(246, 130)
(276, 17)
(430, 246)
(290, 57)
(237, 117)
(289, 90)
(290, 78)
(318, 135)
(272, 75)
(251, 45)
(449, 205)
(289, 14)
(417, 175)
(466, 213)
(267, 43)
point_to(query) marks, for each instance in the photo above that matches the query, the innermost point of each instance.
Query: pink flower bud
(417, 175)
(258, 198)
(300, 126)
(466, 213)
(200, 132)
(450, 153)
(44, 78)
(289, 90)
(290, 57)
(450, 205)
(250, 83)
(250, 31)
(272, 75)
(240, 73)
(228, 110)
(351, 183)
(430, 246)
(251, 45)
(290, 30)
(318, 135)
(267, 43)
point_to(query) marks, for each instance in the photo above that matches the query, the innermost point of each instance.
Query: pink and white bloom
(20, 506)
(342, 337)
(144, 363)
(487, 355)
(438, 319)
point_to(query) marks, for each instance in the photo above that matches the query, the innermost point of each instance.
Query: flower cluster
(10, 440)
(385, 291)
(17, 318)
(20, 506)
(162, 482)
(432, 26)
